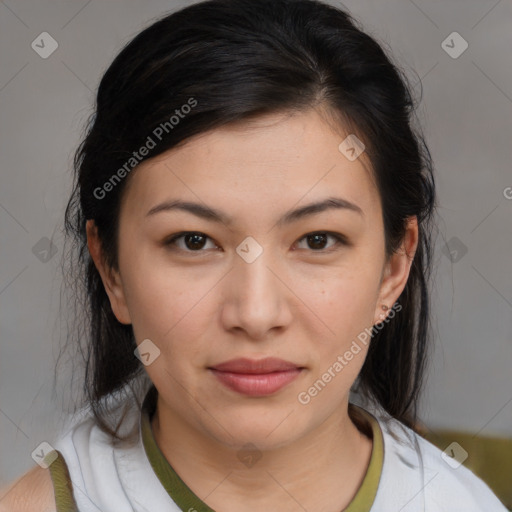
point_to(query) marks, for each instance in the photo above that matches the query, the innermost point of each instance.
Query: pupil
(319, 236)
(194, 244)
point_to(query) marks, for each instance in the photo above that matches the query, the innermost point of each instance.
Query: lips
(256, 377)
(253, 366)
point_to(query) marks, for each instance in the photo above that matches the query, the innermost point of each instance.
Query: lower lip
(261, 384)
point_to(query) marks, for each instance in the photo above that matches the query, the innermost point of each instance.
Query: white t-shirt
(414, 477)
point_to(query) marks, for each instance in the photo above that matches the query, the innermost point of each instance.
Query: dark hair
(233, 60)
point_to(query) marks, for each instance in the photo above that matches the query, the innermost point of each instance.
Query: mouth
(252, 377)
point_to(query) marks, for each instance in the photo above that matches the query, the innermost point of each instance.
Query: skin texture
(296, 301)
(32, 491)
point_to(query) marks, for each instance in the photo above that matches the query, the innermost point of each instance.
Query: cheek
(168, 307)
(343, 298)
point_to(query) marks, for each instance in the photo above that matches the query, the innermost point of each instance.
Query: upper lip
(266, 365)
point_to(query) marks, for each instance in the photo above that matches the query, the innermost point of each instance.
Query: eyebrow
(211, 214)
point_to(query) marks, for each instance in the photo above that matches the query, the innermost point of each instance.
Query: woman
(253, 218)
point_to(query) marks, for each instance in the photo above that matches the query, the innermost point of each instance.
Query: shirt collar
(183, 496)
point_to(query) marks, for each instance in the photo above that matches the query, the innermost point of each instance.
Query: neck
(332, 459)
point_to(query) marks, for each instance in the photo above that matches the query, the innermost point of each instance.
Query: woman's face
(253, 285)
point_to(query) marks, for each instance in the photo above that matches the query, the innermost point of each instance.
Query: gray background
(467, 117)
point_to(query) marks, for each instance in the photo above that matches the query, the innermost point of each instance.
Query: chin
(266, 433)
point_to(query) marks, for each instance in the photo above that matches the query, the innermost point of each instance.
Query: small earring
(384, 307)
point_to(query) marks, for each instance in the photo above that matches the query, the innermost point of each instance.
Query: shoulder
(32, 491)
(453, 482)
(431, 479)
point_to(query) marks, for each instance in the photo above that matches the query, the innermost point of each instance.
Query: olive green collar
(186, 499)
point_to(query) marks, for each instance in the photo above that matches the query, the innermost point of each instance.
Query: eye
(193, 241)
(317, 240)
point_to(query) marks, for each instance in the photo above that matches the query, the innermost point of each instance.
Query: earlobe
(397, 271)
(110, 278)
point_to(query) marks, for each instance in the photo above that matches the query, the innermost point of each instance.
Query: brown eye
(317, 241)
(192, 241)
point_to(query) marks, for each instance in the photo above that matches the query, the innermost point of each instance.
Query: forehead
(272, 162)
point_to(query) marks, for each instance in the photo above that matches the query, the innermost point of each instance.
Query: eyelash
(340, 240)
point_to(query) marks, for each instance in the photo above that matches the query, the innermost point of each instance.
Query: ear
(396, 271)
(111, 279)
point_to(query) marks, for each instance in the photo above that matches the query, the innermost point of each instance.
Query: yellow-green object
(62, 485)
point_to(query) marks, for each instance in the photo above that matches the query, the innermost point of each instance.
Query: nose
(257, 299)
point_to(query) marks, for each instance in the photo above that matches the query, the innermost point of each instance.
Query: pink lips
(256, 377)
